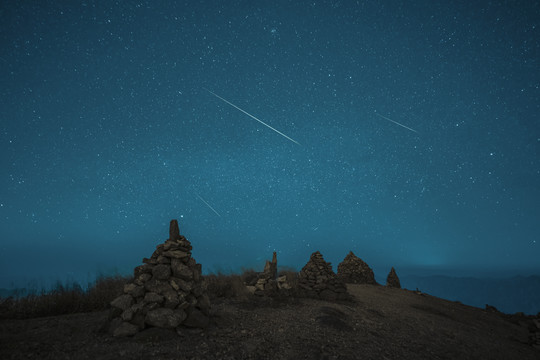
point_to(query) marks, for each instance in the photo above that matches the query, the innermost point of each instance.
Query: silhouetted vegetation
(227, 286)
(64, 299)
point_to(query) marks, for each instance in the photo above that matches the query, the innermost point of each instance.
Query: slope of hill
(381, 323)
(509, 295)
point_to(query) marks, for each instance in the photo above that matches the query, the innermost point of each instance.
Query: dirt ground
(382, 323)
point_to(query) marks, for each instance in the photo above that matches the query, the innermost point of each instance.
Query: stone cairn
(392, 280)
(167, 291)
(267, 282)
(318, 280)
(353, 270)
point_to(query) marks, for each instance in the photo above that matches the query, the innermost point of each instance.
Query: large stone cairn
(167, 291)
(353, 270)
(392, 280)
(318, 280)
(267, 282)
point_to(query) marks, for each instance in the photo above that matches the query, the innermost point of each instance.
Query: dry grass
(64, 299)
(227, 286)
(71, 298)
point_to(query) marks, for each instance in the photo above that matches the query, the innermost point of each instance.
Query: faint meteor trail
(207, 204)
(395, 122)
(251, 116)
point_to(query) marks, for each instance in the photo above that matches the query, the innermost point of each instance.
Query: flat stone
(163, 260)
(142, 269)
(151, 297)
(175, 254)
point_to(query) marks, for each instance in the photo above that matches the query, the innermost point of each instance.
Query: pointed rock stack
(318, 280)
(392, 280)
(267, 283)
(167, 291)
(355, 271)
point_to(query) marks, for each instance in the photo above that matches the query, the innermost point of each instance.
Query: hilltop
(378, 323)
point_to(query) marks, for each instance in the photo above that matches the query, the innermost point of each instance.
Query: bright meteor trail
(395, 122)
(251, 116)
(207, 204)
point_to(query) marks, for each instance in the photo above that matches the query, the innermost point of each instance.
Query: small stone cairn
(167, 291)
(353, 270)
(392, 280)
(268, 283)
(318, 280)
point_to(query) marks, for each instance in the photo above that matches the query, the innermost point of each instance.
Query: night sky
(416, 134)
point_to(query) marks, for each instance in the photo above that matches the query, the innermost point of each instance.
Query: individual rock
(142, 269)
(175, 254)
(125, 329)
(165, 318)
(171, 299)
(179, 284)
(174, 230)
(161, 272)
(181, 270)
(355, 271)
(196, 319)
(392, 280)
(157, 286)
(203, 302)
(122, 302)
(151, 297)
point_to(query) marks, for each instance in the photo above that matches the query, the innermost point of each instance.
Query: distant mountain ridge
(508, 295)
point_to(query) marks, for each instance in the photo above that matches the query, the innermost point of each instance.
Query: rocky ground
(381, 323)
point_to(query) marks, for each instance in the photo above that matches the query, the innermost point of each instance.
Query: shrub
(64, 299)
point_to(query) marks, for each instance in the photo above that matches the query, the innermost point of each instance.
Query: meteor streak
(395, 122)
(251, 116)
(207, 204)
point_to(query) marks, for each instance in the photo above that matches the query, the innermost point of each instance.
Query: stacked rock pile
(318, 280)
(355, 271)
(267, 282)
(392, 280)
(167, 291)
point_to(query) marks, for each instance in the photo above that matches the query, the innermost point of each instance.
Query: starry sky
(408, 132)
